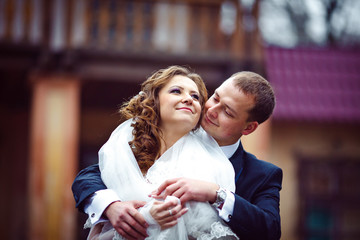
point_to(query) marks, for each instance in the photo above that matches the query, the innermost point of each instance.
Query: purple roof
(315, 85)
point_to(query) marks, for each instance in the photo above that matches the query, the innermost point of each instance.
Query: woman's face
(179, 104)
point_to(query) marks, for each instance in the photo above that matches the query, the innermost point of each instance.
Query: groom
(237, 107)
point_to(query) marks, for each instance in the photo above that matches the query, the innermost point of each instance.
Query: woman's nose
(187, 99)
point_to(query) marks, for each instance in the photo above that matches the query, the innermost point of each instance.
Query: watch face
(220, 198)
(222, 195)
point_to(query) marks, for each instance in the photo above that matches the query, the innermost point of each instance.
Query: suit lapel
(237, 161)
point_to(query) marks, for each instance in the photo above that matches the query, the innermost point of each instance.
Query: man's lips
(209, 121)
(186, 109)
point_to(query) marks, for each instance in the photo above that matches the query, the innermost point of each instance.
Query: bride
(162, 139)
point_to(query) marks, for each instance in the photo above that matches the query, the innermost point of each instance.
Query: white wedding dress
(196, 156)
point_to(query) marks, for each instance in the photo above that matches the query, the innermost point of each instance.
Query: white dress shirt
(101, 199)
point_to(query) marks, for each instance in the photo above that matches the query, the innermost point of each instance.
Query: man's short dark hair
(253, 84)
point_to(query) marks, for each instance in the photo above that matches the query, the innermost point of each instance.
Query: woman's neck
(169, 138)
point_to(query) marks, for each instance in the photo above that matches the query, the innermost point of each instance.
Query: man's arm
(124, 216)
(187, 189)
(86, 183)
(254, 218)
(259, 216)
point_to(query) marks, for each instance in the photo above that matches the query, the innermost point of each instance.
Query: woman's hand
(167, 213)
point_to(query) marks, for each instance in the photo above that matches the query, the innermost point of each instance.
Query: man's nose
(212, 111)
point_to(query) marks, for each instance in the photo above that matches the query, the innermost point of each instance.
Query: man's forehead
(233, 97)
(227, 97)
(227, 85)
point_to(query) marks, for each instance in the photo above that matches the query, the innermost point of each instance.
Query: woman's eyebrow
(192, 91)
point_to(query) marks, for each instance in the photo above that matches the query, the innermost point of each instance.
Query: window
(329, 199)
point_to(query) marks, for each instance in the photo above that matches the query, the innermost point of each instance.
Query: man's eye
(195, 96)
(228, 114)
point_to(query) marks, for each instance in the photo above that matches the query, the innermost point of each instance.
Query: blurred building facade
(66, 66)
(316, 129)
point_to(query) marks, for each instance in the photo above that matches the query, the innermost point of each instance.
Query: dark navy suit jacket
(256, 211)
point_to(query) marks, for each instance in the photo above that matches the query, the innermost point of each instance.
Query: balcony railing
(197, 27)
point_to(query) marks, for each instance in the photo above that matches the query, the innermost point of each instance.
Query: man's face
(226, 113)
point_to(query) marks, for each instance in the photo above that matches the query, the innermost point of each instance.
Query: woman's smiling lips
(186, 109)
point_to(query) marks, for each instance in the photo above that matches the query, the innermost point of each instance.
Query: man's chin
(207, 127)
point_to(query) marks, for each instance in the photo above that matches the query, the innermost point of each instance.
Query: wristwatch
(220, 198)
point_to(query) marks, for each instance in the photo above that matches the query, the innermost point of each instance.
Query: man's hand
(187, 190)
(126, 219)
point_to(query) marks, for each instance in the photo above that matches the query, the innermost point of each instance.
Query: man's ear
(250, 127)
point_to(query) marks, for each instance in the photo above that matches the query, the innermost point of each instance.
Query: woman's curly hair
(144, 108)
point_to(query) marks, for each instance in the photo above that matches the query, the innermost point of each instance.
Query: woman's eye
(175, 91)
(195, 96)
